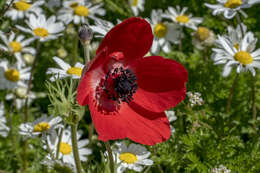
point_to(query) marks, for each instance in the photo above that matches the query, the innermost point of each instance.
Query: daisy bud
(28, 58)
(21, 92)
(62, 52)
(85, 34)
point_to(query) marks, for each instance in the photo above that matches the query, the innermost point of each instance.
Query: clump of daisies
(165, 33)
(231, 7)
(61, 149)
(23, 8)
(220, 169)
(41, 126)
(237, 51)
(195, 98)
(43, 28)
(132, 157)
(17, 45)
(78, 11)
(65, 70)
(13, 76)
(179, 16)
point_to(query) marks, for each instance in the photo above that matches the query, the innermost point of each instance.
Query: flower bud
(21, 92)
(85, 34)
(62, 53)
(28, 58)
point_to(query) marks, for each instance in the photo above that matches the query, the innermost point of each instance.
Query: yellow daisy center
(22, 5)
(182, 19)
(134, 2)
(75, 71)
(236, 46)
(243, 57)
(65, 148)
(41, 32)
(129, 158)
(203, 33)
(233, 3)
(12, 75)
(41, 127)
(81, 10)
(160, 30)
(16, 46)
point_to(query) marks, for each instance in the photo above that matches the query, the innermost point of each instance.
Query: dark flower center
(120, 85)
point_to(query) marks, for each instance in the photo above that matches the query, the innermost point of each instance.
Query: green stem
(253, 100)
(231, 93)
(58, 146)
(110, 155)
(25, 146)
(239, 21)
(75, 149)
(86, 52)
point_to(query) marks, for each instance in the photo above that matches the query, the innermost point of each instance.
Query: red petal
(133, 37)
(161, 83)
(131, 121)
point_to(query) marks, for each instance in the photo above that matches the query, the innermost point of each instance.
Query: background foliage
(206, 136)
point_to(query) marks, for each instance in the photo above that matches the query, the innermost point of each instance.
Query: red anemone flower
(128, 93)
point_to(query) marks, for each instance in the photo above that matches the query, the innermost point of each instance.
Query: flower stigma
(160, 30)
(120, 85)
(75, 71)
(41, 127)
(182, 19)
(16, 46)
(128, 158)
(12, 75)
(233, 3)
(65, 148)
(243, 57)
(41, 32)
(81, 10)
(22, 5)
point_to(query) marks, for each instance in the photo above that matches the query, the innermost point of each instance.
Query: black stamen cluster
(124, 83)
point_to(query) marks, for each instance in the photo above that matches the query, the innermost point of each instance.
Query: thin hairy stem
(180, 39)
(253, 100)
(110, 155)
(75, 149)
(58, 146)
(86, 52)
(231, 92)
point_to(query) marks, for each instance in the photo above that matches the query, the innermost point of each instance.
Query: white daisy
(3, 128)
(178, 16)
(13, 76)
(22, 8)
(42, 28)
(42, 125)
(230, 7)
(136, 6)
(101, 27)
(132, 157)
(16, 45)
(203, 37)
(79, 11)
(65, 151)
(171, 117)
(245, 57)
(65, 70)
(20, 95)
(164, 33)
